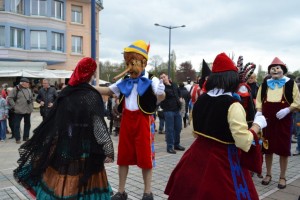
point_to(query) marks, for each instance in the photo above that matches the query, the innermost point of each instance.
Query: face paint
(276, 72)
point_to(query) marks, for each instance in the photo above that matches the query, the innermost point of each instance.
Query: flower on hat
(223, 63)
(140, 47)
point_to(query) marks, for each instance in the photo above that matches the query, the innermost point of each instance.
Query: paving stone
(165, 163)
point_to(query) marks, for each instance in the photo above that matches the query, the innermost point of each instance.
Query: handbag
(253, 159)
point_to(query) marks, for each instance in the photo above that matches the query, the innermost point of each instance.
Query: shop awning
(31, 70)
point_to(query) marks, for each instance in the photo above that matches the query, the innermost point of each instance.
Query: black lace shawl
(73, 139)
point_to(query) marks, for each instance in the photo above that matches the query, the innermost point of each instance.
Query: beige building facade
(55, 32)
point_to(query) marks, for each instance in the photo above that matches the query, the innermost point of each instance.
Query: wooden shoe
(266, 180)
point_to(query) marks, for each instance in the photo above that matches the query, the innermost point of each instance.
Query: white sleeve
(114, 87)
(239, 128)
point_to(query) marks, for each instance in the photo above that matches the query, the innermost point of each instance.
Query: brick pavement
(9, 189)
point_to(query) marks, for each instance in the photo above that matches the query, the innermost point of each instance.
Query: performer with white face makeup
(277, 97)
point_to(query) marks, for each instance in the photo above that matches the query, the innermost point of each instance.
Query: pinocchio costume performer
(65, 157)
(137, 93)
(212, 168)
(277, 97)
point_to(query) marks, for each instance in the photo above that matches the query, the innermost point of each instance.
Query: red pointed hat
(83, 72)
(223, 63)
(277, 61)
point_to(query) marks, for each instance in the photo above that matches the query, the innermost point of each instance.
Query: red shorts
(135, 140)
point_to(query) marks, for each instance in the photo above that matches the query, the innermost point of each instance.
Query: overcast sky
(258, 30)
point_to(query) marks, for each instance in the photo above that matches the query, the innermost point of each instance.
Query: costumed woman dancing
(65, 157)
(211, 168)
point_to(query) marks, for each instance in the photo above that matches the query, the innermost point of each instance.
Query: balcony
(100, 3)
(50, 57)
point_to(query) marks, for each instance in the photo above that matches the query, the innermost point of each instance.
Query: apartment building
(52, 32)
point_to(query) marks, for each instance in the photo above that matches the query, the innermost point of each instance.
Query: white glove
(260, 121)
(258, 113)
(160, 88)
(282, 113)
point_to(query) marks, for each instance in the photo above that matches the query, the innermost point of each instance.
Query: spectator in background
(188, 86)
(252, 82)
(117, 116)
(46, 97)
(296, 124)
(3, 117)
(185, 94)
(11, 115)
(20, 100)
(4, 90)
(4, 94)
(195, 92)
(161, 117)
(171, 107)
(110, 104)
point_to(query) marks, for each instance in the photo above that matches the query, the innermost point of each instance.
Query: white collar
(217, 92)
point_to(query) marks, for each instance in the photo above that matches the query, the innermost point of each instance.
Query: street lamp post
(170, 28)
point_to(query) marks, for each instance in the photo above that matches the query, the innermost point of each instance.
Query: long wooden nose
(121, 74)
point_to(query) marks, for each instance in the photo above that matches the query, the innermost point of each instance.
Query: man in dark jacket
(46, 97)
(171, 107)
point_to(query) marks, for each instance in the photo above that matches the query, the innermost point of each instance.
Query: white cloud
(258, 30)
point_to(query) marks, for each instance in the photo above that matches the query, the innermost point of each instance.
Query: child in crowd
(3, 117)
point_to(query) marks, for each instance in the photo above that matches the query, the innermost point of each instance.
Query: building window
(77, 44)
(39, 7)
(38, 39)
(57, 9)
(57, 41)
(77, 14)
(2, 5)
(2, 36)
(17, 6)
(17, 37)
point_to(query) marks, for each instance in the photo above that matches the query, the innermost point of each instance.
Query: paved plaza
(165, 162)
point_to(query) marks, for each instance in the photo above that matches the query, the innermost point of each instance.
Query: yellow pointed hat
(140, 47)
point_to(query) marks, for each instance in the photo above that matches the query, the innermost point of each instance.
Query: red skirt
(210, 170)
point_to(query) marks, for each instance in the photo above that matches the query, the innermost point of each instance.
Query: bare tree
(155, 61)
